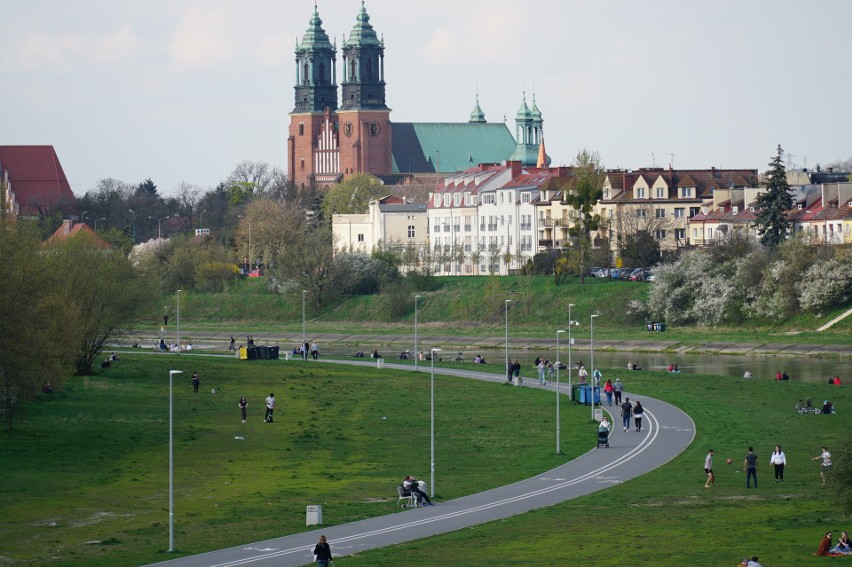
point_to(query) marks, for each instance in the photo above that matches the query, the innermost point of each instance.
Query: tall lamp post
(432, 428)
(508, 301)
(304, 336)
(178, 319)
(96, 222)
(558, 364)
(159, 232)
(571, 323)
(171, 464)
(592, 348)
(201, 218)
(134, 224)
(416, 297)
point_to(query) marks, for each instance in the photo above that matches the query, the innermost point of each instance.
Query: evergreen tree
(773, 204)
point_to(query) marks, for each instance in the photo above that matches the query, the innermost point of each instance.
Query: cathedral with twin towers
(331, 138)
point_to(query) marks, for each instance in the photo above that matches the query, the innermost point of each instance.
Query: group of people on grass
(778, 460)
(842, 547)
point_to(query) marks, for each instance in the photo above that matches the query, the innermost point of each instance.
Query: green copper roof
(315, 36)
(535, 113)
(363, 33)
(477, 115)
(527, 154)
(524, 110)
(420, 147)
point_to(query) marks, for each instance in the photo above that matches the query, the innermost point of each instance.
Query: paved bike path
(667, 431)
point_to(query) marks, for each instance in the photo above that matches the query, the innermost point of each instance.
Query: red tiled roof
(37, 179)
(70, 229)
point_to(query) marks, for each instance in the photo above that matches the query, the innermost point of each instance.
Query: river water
(804, 369)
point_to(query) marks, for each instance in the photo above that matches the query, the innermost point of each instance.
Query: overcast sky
(183, 90)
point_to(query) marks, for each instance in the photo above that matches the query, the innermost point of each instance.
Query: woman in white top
(779, 460)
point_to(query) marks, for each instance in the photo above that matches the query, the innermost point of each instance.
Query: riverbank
(209, 339)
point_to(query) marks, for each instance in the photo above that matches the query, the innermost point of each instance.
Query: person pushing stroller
(603, 433)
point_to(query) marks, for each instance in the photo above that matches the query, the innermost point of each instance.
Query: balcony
(545, 243)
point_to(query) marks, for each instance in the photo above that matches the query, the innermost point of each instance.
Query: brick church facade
(330, 140)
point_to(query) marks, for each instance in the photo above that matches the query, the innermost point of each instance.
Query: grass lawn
(89, 463)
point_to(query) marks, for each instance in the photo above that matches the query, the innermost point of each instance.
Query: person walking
(541, 367)
(608, 390)
(196, 382)
(315, 350)
(825, 467)
(516, 369)
(243, 405)
(626, 410)
(617, 388)
(322, 552)
(750, 466)
(779, 460)
(638, 414)
(232, 344)
(270, 408)
(708, 469)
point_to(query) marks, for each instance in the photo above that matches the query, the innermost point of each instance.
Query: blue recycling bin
(583, 394)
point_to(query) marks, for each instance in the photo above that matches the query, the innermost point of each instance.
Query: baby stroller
(603, 437)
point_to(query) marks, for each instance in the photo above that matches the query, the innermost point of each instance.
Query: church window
(305, 74)
(321, 74)
(369, 70)
(302, 164)
(352, 76)
(301, 129)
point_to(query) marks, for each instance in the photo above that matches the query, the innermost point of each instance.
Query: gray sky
(183, 90)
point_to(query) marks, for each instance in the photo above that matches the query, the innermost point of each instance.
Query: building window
(606, 194)
(302, 164)
(661, 213)
(661, 234)
(526, 197)
(488, 199)
(709, 234)
(686, 191)
(693, 211)
(301, 129)
(360, 238)
(680, 234)
(640, 192)
(679, 212)
(640, 213)
(411, 231)
(661, 192)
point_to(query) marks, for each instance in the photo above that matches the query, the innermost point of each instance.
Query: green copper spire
(535, 113)
(363, 33)
(477, 115)
(524, 110)
(315, 37)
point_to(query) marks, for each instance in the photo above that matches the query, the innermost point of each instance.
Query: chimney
(515, 167)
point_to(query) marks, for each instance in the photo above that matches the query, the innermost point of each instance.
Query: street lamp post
(171, 463)
(570, 341)
(304, 336)
(558, 364)
(96, 222)
(592, 348)
(134, 224)
(432, 428)
(178, 319)
(159, 232)
(201, 218)
(508, 301)
(416, 297)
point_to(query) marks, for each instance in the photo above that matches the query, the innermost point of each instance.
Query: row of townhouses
(494, 218)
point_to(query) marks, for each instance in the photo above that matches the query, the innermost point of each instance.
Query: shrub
(825, 285)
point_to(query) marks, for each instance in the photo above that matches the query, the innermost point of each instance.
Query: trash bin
(274, 352)
(650, 326)
(575, 393)
(313, 515)
(243, 353)
(660, 327)
(598, 414)
(380, 363)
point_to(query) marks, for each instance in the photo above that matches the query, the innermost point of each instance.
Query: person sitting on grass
(824, 544)
(843, 547)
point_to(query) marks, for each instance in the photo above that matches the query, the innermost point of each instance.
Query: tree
(774, 203)
(105, 290)
(267, 226)
(307, 264)
(352, 195)
(589, 179)
(39, 323)
(637, 229)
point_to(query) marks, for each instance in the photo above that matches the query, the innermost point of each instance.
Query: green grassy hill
(475, 306)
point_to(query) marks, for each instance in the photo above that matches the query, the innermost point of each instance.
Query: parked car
(635, 275)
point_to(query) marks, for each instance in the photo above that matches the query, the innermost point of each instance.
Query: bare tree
(637, 229)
